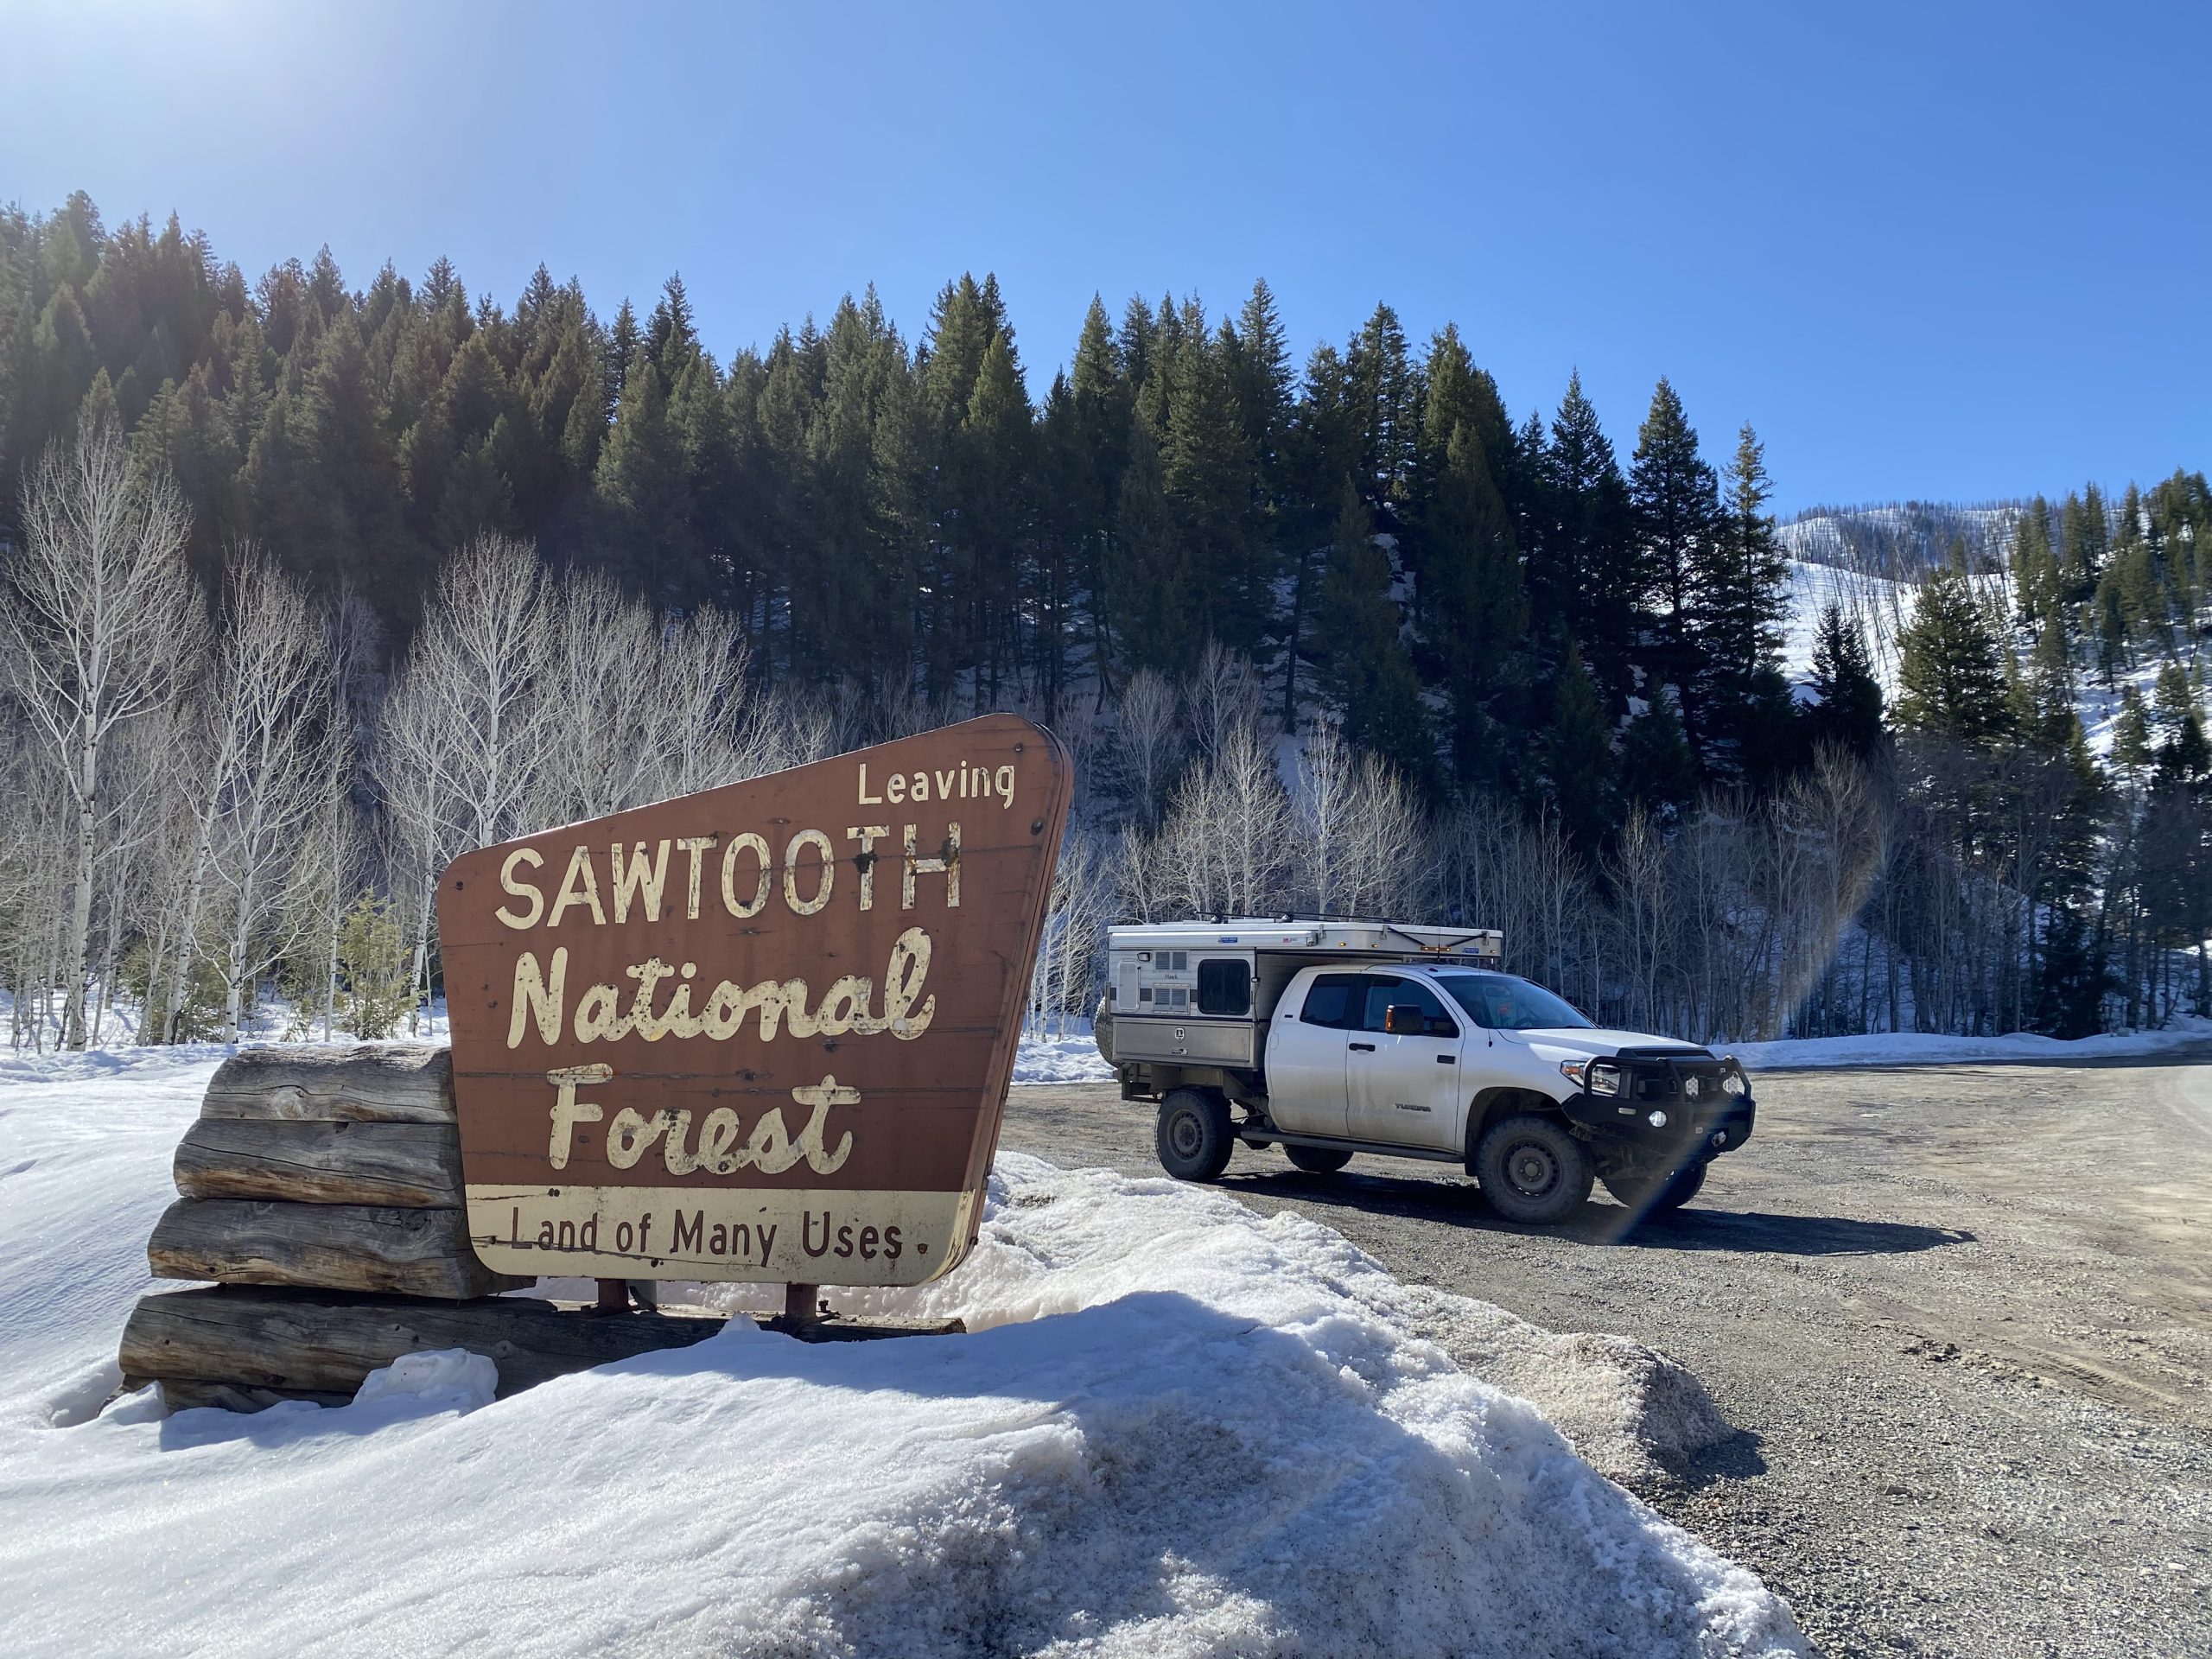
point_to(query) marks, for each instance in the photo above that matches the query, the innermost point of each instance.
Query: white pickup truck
(1334, 1038)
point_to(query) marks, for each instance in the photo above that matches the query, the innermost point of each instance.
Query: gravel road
(1961, 1315)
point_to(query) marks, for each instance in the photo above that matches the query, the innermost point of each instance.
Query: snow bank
(1072, 1059)
(442, 1377)
(1176, 1428)
(1917, 1048)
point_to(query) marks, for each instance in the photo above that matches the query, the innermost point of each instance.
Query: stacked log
(329, 1169)
(321, 1193)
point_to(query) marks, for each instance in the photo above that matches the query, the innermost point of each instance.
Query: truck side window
(1383, 990)
(1225, 987)
(1333, 1001)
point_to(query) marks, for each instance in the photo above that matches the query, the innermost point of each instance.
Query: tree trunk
(188, 942)
(77, 941)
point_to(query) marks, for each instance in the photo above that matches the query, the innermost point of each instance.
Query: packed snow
(1070, 1056)
(1927, 1048)
(1176, 1428)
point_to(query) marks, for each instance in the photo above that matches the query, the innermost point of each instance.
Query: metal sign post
(760, 1033)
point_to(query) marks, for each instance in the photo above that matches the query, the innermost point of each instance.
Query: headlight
(1596, 1076)
(1656, 1119)
(1733, 1082)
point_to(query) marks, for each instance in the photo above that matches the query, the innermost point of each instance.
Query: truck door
(1403, 1086)
(1307, 1052)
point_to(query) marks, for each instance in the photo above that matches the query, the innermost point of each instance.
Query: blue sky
(1932, 251)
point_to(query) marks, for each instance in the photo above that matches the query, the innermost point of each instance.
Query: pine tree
(2131, 754)
(1370, 675)
(642, 501)
(1658, 766)
(1152, 592)
(1578, 756)
(1741, 594)
(1582, 569)
(1211, 478)
(1950, 676)
(2082, 542)
(621, 351)
(2038, 591)
(1384, 406)
(1675, 499)
(2183, 754)
(1474, 611)
(1847, 712)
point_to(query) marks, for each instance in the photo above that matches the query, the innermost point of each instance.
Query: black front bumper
(1707, 1130)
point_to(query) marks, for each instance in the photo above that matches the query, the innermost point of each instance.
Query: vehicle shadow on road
(1696, 1228)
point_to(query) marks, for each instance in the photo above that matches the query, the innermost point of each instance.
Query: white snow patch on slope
(1878, 606)
(1177, 1428)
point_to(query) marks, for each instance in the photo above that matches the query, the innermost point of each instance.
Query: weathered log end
(405, 1166)
(373, 1083)
(408, 1252)
(304, 1344)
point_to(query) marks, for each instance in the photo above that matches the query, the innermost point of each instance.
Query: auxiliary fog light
(1656, 1119)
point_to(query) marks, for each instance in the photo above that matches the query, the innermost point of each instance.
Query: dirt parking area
(1961, 1315)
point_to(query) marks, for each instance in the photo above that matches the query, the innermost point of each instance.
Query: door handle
(1447, 1059)
(1362, 1048)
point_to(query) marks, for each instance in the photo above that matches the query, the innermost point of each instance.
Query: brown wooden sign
(763, 1032)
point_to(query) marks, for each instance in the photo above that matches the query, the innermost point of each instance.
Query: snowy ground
(1176, 1428)
(1915, 1048)
(1077, 1059)
(1073, 1057)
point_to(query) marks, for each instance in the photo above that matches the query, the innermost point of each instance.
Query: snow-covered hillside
(1826, 568)
(1899, 539)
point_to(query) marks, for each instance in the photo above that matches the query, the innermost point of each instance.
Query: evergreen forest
(1336, 633)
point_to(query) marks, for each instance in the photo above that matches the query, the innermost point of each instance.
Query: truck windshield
(1501, 1002)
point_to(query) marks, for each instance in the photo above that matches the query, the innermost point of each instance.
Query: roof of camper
(1318, 937)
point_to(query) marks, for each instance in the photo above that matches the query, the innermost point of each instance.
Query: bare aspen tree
(1083, 903)
(703, 699)
(32, 882)
(1147, 745)
(1320, 805)
(1224, 839)
(129, 865)
(1640, 912)
(274, 682)
(1142, 875)
(96, 616)
(334, 851)
(1386, 851)
(466, 728)
(599, 682)
(1223, 695)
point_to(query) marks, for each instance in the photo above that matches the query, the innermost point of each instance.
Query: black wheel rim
(1531, 1169)
(1183, 1134)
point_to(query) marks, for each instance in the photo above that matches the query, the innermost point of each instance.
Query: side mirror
(1404, 1019)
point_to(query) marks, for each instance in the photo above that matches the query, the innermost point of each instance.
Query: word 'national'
(540, 1002)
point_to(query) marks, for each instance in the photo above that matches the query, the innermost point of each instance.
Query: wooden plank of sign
(326, 1342)
(333, 1246)
(371, 1082)
(411, 1165)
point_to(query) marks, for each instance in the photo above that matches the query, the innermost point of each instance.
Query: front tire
(1532, 1171)
(1650, 1195)
(1192, 1136)
(1317, 1161)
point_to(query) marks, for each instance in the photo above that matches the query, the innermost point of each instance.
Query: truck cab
(1332, 1040)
